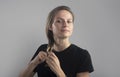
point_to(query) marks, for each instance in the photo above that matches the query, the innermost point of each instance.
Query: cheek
(54, 29)
(71, 27)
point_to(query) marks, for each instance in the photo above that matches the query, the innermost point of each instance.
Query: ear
(50, 28)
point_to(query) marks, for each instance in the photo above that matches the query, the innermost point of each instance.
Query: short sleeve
(41, 48)
(85, 64)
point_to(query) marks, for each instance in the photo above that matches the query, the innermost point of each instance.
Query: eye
(69, 21)
(59, 21)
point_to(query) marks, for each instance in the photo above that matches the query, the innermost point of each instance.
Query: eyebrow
(63, 19)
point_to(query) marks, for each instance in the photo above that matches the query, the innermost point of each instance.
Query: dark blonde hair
(50, 21)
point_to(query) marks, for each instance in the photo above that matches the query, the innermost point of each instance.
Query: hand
(42, 56)
(28, 72)
(54, 64)
(39, 58)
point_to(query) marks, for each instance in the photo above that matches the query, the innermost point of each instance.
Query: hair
(50, 20)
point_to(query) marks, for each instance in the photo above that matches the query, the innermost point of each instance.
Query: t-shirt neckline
(63, 50)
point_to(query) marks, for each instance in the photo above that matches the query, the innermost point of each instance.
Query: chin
(65, 36)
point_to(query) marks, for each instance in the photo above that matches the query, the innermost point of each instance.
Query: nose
(65, 24)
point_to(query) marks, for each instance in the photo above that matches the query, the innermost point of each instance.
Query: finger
(50, 62)
(42, 55)
(50, 59)
(50, 65)
(52, 54)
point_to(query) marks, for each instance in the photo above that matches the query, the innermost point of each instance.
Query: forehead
(63, 14)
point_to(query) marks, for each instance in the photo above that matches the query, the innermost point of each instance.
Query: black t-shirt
(73, 60)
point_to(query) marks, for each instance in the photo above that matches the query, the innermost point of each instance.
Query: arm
(28, 71)
(86, 65)
(83, 74)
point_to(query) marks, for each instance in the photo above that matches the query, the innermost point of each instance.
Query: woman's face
(62, 26)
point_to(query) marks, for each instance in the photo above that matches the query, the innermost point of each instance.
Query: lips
(65, 30)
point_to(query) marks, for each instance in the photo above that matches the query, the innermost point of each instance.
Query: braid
(49, 48)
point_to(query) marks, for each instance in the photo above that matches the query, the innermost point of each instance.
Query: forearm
(83, 74)
(60, 73)
(28, 71)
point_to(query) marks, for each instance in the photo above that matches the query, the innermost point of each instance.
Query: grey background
(97, 29)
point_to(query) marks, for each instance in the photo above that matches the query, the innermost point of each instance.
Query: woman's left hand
(54, 64)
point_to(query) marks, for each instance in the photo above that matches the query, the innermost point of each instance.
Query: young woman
(59, 58)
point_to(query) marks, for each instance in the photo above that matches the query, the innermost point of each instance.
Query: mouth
(65, 30)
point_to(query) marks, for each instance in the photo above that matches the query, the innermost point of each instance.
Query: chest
(69, 63)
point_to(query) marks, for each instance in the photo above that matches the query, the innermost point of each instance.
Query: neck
(61, 44)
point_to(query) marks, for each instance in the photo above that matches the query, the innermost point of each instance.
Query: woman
(59, 58)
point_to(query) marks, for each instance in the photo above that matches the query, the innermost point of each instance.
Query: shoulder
(75, 47)
(79, 50)
(42, 47)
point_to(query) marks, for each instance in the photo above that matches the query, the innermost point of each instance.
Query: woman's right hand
(40, 57)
